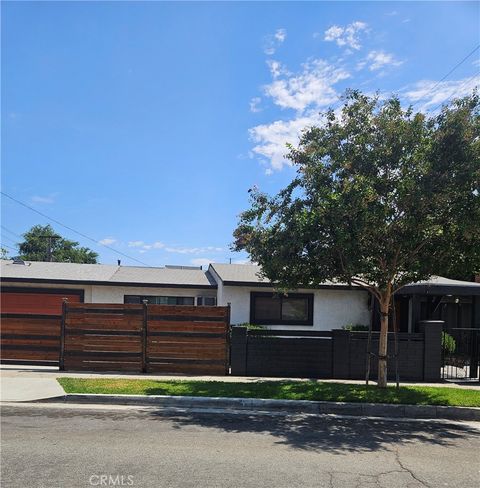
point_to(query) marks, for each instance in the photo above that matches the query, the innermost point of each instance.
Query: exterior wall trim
(106, 283)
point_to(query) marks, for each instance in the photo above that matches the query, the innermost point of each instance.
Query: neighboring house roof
(249, 274)
(105, 274)
(439, 285)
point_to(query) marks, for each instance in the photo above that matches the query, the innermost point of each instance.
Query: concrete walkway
(28, 388)
(28, 383)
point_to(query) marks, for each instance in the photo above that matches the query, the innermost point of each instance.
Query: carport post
(61, 361)
(144, 336)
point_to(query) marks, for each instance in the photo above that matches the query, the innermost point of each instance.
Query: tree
(42, 243)
(382, 197)
(3, 253)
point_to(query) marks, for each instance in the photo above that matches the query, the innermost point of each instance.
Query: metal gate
(460, 354)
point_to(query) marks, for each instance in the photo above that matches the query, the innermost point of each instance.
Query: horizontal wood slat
(30, 337)
(165, 338)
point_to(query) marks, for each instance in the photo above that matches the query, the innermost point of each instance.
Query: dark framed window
(159, 300)
(276, 309)
(206, 301)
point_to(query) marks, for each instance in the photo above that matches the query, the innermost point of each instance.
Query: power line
(11, 232)
(73, 230)
(447, 75)
(455, 67)
(8, 238)
(9, 247)
(468, 80)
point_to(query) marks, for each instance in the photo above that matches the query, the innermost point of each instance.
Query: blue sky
(143, 125)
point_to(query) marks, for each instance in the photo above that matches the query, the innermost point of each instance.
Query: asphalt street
(85, 446)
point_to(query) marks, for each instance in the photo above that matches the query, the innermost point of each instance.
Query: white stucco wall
(332, 309)
(115, 294)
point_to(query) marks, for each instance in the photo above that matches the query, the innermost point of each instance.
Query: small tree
(383, 197)
(42, 243)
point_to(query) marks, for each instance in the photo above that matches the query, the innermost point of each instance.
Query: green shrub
(355, 327)
(448, 343)
(249, 326)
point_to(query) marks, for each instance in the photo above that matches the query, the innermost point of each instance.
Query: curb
(289, 406)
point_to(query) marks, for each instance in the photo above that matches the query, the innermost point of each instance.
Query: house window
(206, 301)
(275, 309)
(155, 300)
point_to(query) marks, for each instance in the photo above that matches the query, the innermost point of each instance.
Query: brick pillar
(432, 349)
(238, 354)
(340, 354)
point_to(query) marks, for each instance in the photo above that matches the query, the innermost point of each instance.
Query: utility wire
(11, 231)
(447, 75)
(71, 229)
(9, 247)
(455, 67)
(8, 238)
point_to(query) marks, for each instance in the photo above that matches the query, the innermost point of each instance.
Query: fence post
(340, 354)
(144, 337)
(432, 349)
(238, 358)
(61, 359)
(228, 341)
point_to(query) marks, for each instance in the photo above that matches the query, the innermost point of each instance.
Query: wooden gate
(145, 338)
(102, 337)
(190, 340)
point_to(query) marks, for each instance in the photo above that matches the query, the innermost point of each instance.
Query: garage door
(37, 302)
(31, 323)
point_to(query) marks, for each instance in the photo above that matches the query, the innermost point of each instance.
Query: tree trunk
(383, 342)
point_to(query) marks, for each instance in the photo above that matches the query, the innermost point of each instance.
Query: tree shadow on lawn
(314, 390)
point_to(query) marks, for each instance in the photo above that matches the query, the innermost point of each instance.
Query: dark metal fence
(460, 354)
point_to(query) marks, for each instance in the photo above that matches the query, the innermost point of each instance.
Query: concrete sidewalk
(28, 388)
(51, 373)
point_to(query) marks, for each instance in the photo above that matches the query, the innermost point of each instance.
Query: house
(38, 288)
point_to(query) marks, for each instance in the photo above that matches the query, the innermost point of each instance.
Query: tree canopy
(382, 197)
(42, 243)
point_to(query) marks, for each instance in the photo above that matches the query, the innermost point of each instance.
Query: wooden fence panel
(103, 337)
(30, 338)
(148, 338)
(191, 340)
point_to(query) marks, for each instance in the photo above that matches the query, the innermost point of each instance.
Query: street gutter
(271, 405)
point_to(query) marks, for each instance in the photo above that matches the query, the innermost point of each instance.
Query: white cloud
(107, 241)
(379, 59)
(429, 94)
(346, 36)
(136, 244)
(46, 199)
(254, 104)
(154, 245)
(193, 250)
(306, 92)
(201, 261)
(276, 68)
(393, 13)
(312, 87)
(271, 139)
(272, 41)
(242, 261)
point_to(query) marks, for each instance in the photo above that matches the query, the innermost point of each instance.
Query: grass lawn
(285, 390)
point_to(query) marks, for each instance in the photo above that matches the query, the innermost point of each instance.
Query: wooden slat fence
(30, 338)
(102, 337)
(146, 338)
